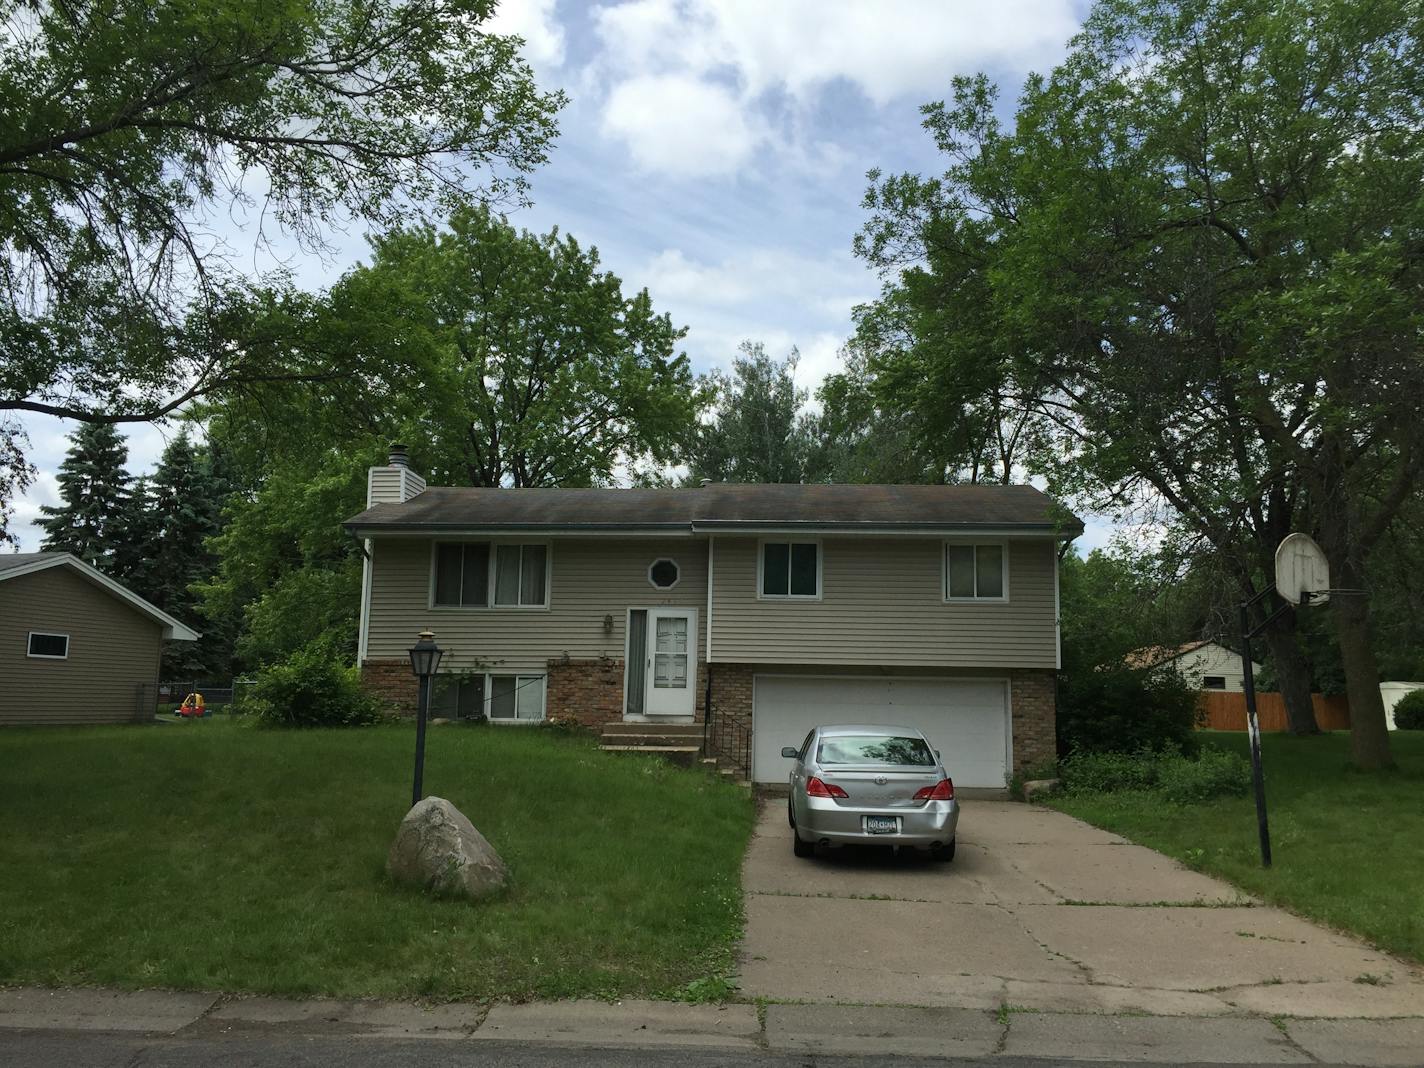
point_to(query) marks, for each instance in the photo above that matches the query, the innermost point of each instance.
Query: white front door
(671, 662)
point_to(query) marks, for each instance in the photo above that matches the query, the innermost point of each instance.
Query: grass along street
(1346, 843)
(209, 855)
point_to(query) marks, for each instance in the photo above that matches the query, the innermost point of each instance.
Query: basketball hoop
(1302, 572)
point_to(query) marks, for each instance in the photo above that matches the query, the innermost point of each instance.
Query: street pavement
(77, 1028)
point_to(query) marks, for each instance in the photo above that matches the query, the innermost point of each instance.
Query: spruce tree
(185, 504)
(94, 489)
(135, 542)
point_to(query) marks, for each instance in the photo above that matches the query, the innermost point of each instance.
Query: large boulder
(439, 850)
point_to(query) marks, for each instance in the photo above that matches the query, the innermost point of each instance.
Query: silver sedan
(859, 785)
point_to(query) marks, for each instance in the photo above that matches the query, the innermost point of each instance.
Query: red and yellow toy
(192, 706)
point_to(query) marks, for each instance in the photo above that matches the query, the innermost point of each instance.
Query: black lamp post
(424, 662)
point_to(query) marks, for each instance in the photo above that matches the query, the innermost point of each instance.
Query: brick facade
(730, 733)
(1035, 704)
(589, 692)
(393, 682)
(586, 692)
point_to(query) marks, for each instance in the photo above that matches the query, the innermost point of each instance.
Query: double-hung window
(519, 573)
(976, 572)
(478, 574)
(790, 569)
(462, 574)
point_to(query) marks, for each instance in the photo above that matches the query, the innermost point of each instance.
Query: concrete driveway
(1042, 912)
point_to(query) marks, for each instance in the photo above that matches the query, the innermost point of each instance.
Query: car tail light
(816, 788)
(940, 791)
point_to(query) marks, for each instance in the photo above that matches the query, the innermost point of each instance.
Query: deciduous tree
(1197, 260)
(128, 126)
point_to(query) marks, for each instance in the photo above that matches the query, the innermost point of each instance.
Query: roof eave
(172, 629)
(1067, 533)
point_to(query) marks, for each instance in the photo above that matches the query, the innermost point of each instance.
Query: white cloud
(753, 56)
(680, 125)
(820, 356)
(534, 21)
(829, 285)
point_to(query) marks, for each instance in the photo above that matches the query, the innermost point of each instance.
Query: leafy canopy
(1193, 266)
(513, 355)
(128, 128)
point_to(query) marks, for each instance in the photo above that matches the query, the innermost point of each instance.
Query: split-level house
(757, 611)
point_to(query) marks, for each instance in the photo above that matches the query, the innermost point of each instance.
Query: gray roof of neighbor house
(13, 565)
(8, 561)
(727, 506)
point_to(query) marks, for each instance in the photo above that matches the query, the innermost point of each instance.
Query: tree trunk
(1293, 673)
(1369, 730)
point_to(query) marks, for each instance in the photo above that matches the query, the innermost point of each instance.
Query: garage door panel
(965, 719)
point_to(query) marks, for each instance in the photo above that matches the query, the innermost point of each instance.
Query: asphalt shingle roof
(727, 506)
(13, 560)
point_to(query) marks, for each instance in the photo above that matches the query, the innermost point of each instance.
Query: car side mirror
(937, 755)
(790, 752)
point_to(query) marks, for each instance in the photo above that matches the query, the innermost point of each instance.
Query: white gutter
(365, 626)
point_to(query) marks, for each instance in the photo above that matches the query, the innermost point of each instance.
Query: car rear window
(875, 749)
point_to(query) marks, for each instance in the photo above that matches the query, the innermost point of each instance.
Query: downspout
(363, 546)
(707, 658)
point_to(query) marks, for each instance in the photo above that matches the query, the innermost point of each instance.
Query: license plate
(881, 824)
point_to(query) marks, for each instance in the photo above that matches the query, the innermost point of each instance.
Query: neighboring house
(756, 610)
(1391, 692)
(1206, 665)
(75, 646)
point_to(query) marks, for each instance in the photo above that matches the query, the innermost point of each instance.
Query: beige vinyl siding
(589, 578)
(383, 485)
(112, 651)
(882, 603)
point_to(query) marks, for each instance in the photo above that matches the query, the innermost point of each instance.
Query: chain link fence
(219, 698)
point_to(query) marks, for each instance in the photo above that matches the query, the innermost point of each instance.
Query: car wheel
(800, 848)
(943, 853)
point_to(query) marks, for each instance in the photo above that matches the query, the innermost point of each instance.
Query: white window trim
(487, 696)
(655, 563)
(762, 543)
(493, 543)
(944, 570)
(518, 675)
(46, 634)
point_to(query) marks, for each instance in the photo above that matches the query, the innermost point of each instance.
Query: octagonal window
(663, 574)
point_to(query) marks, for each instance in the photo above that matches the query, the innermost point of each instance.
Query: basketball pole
(1253, 726)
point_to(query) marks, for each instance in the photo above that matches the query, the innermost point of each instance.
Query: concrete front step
(652, 738)
(685, 755)
(682, 730)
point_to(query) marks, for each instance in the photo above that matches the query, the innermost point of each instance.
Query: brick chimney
(395, 482)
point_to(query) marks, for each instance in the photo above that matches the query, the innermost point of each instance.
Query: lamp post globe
(425, 655)
(424, 662)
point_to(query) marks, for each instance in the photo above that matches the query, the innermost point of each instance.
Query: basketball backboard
(1301, 567)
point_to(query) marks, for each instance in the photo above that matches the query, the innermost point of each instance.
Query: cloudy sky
(715, 151)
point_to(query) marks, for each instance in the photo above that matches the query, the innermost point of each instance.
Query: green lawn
(1348, 847)
(211, 855)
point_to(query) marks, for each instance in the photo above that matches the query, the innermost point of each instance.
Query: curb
(779, 1028)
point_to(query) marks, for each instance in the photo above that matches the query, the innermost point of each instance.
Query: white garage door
(966, 720)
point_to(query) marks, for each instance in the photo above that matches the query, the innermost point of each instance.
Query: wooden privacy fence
(1227, 711)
